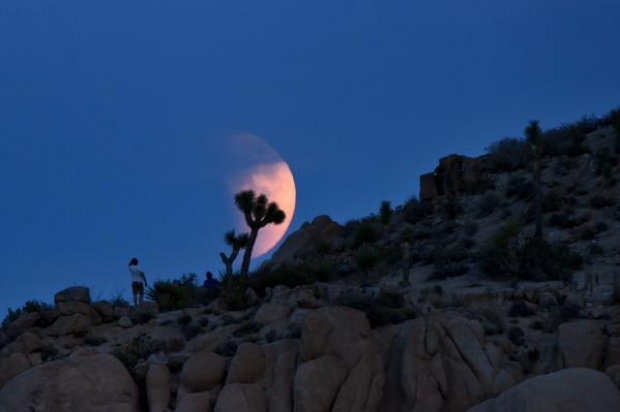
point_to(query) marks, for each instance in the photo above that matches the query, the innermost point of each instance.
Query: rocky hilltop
(441, 304)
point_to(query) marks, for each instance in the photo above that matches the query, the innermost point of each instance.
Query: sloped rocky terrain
(436, 305)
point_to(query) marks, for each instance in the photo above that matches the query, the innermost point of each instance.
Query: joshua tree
(385, 212)
(258, 212)
(534, 138)
(236, 243)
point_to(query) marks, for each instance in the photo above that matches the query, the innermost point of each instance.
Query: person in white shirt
(138, 281)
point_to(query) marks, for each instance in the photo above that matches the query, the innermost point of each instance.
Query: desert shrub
(541, 260)
(234, 292)
(174, 294)
(519, 309)
(564, 165)
(94, 340)
(601, 227)
(184, 319)
(537, 325)
(117, 299)
(227, 349)
(569, 311)
(448, 270)
(534, 259)
(364, 233)
(31, 306)
(499, 256)
(293, 274)
(508, 154)
(49, 353)
(563, 220)
(493, 323)
(415, 210)
(451, 254)
(450, 208)
(471, 227)
(293, 330)
(137, 349)
(519, 187)
(612, 119)
(594, 249)
(569, 138)
(367, 258)
(587, 233)
(601, 201)
(604, 161)
(552, 202)
(191, 330)
(175, 365)
(516, 335)
(488, 203)
(247, 328)
(468, 243)
(387, 309)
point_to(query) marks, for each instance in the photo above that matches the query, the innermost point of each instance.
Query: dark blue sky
(110, 114)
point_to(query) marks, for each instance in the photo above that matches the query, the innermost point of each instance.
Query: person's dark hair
(209, 275)
(133, 262)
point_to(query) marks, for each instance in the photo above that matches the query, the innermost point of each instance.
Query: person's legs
(138, 291)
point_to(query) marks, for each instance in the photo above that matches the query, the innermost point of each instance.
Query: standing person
(138, 282)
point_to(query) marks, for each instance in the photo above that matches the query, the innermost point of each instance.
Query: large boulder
(73, 294)
(76, 324)
(323, 232)
(568, 390)
(280, 367)
(98, 383)
(441, 363)
(580, 344)
(339, 359)
(105, 310)
(239, 397)
(317, 383)
(202, 372)
(26, 343)
(195, 402)
(12, 366)
(158, 387)
(248, 365)
(272, 312)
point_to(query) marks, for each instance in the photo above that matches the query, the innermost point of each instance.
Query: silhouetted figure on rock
(138, 281)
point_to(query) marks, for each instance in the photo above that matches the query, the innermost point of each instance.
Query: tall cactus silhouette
(533, 135)
(236, 243)
(258, 212)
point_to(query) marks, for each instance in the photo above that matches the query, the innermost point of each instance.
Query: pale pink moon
(267, 173)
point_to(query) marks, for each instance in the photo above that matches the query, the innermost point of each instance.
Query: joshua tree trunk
(228, 261)
(537, 200)
(247, 255)
(534, 138)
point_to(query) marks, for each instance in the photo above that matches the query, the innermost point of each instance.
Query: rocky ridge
(419, 328)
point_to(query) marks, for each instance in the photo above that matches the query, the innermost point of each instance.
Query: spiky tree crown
(258, 210)
(234, 241)
(534, 134)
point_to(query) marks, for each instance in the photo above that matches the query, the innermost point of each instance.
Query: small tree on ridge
(236, 243)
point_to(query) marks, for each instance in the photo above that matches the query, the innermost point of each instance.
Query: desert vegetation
(518, 263)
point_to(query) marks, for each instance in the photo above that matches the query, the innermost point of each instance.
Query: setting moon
(267, 173)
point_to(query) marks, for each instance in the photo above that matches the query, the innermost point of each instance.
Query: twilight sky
(114, 115)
